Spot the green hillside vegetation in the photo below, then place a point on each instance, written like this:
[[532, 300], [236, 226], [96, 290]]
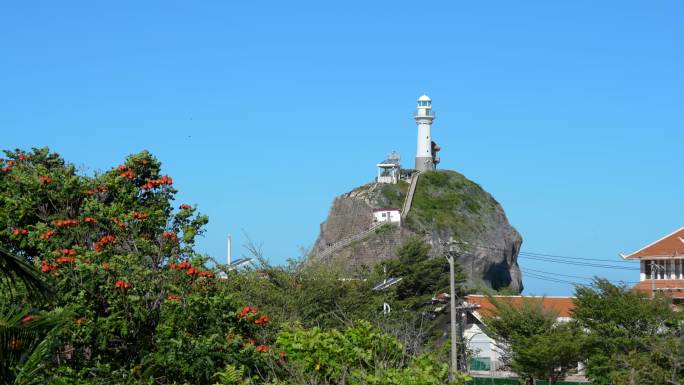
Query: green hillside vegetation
[[448, 201], [393, 195]]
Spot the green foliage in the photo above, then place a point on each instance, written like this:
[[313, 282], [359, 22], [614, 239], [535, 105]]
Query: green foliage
[[359, 354], [134, 303], [626, 330], [231, 375], [22, 341], [536, 345], [319, 294], [17, 274], [309, 293], [449, 201], [144, 306], [393, 195], [422, 276]]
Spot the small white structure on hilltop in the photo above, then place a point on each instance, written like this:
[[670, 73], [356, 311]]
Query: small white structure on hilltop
[[426, 151], [389, 215], [389, 169]]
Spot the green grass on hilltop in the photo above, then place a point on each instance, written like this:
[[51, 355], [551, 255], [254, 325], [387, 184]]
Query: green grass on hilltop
[[392, 195], [446, 200]]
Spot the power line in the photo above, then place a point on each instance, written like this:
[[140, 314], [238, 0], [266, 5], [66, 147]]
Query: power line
[[540, 272], [581, 258], [527, 269], [551, 257], [555, 280], [577, 263]]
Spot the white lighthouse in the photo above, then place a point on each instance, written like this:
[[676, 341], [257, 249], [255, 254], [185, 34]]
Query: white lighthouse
[[426, 158]]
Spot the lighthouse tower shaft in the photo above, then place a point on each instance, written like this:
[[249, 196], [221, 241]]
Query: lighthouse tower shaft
[[425, 156]]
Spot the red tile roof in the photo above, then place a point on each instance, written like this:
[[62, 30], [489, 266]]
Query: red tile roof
[[668, 246], [561, 305], [671, 287]]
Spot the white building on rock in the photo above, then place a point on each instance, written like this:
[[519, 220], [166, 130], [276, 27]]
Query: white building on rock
[[389, 169], [389, 215]]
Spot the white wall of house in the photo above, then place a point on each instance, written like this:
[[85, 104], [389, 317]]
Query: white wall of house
[[481, 345], [389, 215]]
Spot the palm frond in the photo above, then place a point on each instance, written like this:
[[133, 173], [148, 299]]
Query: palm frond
[[23, 341], [17, 270]]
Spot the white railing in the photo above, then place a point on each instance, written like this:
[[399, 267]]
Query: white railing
[[427, 114]]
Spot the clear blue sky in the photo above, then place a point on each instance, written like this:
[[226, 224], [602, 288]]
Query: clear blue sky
[[569, 113]]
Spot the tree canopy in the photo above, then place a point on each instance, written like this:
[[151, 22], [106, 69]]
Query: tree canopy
[[134, 302]]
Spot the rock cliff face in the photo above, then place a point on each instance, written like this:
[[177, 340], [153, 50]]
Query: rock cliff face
[[446, 206]]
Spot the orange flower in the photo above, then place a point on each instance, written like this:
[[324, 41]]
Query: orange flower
[[262, 320], [169, 235], [47, 234], [185, 207], [28, 318], [127, 174], [173, 297], [140, 215], [78, 321], [44, 179], [262, 348], [45, 267], [119, 284], [18, 232], [66, 260], [104, 241], [244, 313], [68, 252], [153, 183], [89, 220], [65, 222], [206, 274]]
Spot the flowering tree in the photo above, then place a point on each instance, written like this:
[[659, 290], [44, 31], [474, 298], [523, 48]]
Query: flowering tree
[[136, 304], [120, 257]]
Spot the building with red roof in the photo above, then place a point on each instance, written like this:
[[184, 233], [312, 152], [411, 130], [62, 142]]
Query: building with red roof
[[662, 265], [487, 356]]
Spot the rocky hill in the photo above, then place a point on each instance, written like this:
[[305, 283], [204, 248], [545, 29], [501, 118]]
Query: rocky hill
[[446, 206]]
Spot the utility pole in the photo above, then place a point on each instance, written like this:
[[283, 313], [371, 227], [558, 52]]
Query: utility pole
[[452, 300], [457, 327]]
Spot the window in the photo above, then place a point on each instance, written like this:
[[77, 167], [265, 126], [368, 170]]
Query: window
[[647, 269], [668, 269]]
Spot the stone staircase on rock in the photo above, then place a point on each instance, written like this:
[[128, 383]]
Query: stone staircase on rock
[[347, 241], [409, 195]]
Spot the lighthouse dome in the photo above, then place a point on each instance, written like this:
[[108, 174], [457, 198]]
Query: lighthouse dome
[[424, 98]]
